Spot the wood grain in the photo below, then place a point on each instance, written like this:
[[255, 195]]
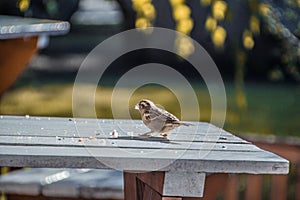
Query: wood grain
[[86, 143]]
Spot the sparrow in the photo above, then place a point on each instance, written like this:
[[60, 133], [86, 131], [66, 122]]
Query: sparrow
[[156, 119]]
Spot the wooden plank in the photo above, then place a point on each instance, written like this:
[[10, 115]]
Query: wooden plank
[[254, 187], [214, 186], [16, 27], [244, 156], [145, 160], [28, 184], [103, 185], [154, 185], [184, 184], [149, 193], [84, 143], [130, 186], [67, 127], [279, 187], [75, 183], [232, 188], [127, 142], [28, 197], [144, 191], [297, 195], [154, 180], [179, 138]]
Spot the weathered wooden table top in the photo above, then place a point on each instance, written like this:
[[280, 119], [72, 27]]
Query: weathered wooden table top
[[14, 27], [88, 143], [185, 157]]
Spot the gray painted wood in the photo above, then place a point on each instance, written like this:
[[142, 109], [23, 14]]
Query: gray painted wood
[[35, 141], [144, 159], [122, 142], [87, 143], [107, 183], [15, 27], [70, 183], [190, 184], [69, 128], [25, 182]]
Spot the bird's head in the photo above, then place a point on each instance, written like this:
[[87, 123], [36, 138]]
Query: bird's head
[[144, 105]]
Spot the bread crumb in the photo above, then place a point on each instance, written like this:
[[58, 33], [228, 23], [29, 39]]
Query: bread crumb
[[114, 134]]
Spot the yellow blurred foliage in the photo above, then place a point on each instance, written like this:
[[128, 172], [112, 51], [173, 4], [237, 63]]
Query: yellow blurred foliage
[[275, 75], [210, 24], [23, 5], [205, 2], [218, 36], [176, 2], [219, 9], [248, 40], [241, 99], [181, 12], [137, 4], [254, 24], [185, 26], [148, 11], [184, 46], [264, 9], [142, 23], [145, 13]]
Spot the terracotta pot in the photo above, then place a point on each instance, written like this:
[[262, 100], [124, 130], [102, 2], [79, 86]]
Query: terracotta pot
[[14, 56]]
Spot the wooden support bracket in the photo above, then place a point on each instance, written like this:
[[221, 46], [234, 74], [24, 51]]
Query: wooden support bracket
[[156, 185]]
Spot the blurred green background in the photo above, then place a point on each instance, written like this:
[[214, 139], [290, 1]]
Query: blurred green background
[[255, 45], [271, 109]]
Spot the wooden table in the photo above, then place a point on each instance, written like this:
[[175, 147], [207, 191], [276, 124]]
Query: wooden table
[[19, 38], [63, 184], [18, 27], [180, 163]]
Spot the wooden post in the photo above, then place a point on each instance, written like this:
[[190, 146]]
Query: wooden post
[[139, 186], [130, 186], [254, 187], [214, 187], [279, 187], [231, 188], [297, 195]]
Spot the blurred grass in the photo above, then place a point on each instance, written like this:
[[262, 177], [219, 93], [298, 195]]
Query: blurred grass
[[271, 109]]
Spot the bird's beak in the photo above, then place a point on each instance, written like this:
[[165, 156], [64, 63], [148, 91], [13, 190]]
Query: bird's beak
[[136, 107]]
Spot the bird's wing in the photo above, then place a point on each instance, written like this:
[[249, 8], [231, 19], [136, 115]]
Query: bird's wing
[[163, 115]]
